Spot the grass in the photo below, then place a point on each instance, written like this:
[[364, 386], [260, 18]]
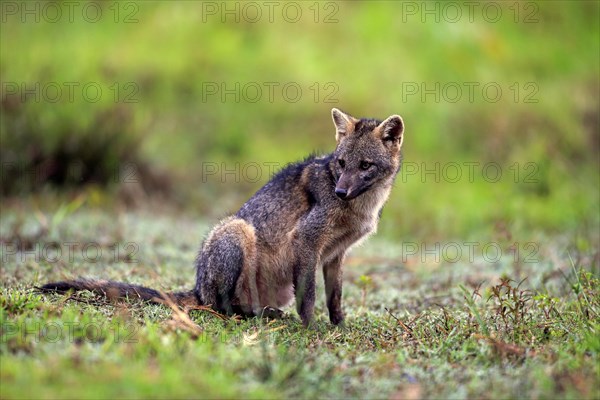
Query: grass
[[416, 326]]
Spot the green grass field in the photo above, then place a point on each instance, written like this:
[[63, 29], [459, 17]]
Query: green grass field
[[128, 129], [415, 327]]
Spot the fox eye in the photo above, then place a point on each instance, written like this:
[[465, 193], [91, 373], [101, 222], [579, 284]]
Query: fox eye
[[342, 163], [365, 165]]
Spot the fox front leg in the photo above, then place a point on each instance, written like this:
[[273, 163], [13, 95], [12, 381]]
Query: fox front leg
[[304, 287], [308, 244], [307, 250], [332, 274]]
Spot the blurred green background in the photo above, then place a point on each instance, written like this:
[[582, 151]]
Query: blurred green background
[[137, 103]]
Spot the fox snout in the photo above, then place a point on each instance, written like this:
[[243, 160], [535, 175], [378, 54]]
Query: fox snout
[[341, 193], [343, 187], [349, 186]]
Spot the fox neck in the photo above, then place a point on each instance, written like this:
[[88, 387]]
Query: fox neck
[[371, 202]]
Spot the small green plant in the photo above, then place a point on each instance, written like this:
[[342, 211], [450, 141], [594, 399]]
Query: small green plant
[[473, 308], [365, 283], [511, 304]]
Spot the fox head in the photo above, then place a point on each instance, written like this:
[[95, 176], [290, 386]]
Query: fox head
[[367, 153]]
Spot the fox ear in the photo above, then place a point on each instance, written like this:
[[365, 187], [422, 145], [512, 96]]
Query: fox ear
[[392, 130], [344, 123]]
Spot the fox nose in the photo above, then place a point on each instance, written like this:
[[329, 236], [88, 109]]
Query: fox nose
[[341, 193]]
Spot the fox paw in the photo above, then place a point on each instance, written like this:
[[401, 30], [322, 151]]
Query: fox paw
[[270, 312]]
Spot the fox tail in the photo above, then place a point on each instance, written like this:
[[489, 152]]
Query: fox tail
[[119, 290]]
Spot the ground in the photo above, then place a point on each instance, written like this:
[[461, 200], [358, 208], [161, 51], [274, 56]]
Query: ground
[[524, 324]]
